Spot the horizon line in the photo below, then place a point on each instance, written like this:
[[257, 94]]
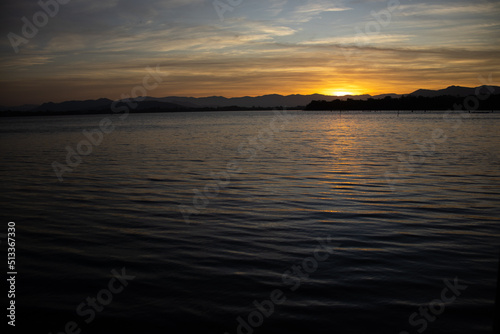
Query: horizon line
[[238, 97]]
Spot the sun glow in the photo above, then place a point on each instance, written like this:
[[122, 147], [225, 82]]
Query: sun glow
[[341, 93]]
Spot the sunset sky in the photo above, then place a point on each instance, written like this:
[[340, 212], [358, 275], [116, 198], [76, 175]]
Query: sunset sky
[[93, 49]]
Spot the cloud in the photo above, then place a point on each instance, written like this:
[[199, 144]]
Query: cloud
[[314, 8], [450, 9], [66, 42], [305, 13], [357, 40], [24, 62], [94, 49], [276, 7], [95, 6]]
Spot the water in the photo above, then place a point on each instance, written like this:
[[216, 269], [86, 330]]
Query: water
[[208, 217]]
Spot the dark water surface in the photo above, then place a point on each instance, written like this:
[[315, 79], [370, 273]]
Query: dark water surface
[[357, 219]]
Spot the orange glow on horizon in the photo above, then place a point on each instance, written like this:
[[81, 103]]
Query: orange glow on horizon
[[342, 93]]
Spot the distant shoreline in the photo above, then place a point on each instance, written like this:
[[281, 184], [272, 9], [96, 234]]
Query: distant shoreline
[[404, 103], [82, 113], [8, 113], [409, 103]]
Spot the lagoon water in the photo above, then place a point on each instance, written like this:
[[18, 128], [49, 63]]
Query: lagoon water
[[210, 212]]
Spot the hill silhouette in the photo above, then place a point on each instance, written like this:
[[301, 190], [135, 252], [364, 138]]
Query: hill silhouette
[[422, 99], [409, 102]]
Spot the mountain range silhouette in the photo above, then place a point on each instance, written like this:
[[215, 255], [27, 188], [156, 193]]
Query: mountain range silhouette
[[177, 103]]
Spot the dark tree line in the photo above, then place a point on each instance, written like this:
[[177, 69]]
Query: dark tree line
[[410, 103]]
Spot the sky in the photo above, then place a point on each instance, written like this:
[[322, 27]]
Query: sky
[[86, 49]]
